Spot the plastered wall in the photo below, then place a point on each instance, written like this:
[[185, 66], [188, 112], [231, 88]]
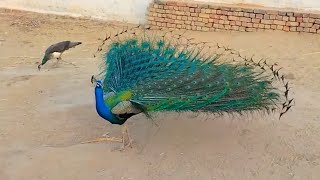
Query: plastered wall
[[131, 10]]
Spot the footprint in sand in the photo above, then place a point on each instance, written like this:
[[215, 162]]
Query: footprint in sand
[[19, 79]]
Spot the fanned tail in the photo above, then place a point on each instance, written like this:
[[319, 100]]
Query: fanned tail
[[170, 72]]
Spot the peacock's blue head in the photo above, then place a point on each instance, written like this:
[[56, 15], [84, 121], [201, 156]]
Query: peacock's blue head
[[98, 83]]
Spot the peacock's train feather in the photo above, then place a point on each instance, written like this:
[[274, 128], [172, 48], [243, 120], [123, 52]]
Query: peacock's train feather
[[144, 71]]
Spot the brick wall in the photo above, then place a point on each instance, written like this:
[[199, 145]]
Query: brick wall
[[210, 17]]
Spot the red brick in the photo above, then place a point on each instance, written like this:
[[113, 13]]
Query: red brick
[[262, 26], [299, 19], [242, 29], [246, 14], [227, 27], [282, 23], [224, 12], [316, 26], [205, 29], [252, 15], [292, 18], [306, 15], [293, 29], [279, 18], [208, 25], [266, 16], [256, 25], [244, 19], [311, 20], [233, 18], [204, 15], [272, 16], [285, 18], [273, 12], [306, 25], [249, 25], [299, 29], [264, 21], [282, 13], [224, 17], [259, 16], [286, 28], [215, 16], [250, 29], [208, 11], [317, 21], [296, 14], [279, 27], [240, 14], [306, 29], [273, 26], [289, 14], [292, 23], [255, 20], [238, 23], [194, 14], [313, 30], [236, 28], [232, 23], [259, 11], [305, 19], [215, 25]]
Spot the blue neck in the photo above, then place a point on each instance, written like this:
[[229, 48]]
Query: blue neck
[[103, 110]]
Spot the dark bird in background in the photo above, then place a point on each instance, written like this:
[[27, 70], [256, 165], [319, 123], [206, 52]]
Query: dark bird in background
[[56, 50]]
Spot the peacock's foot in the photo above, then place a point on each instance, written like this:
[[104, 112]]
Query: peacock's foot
[[104, 139]]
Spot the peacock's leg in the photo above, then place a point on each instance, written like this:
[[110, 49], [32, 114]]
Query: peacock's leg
[[58, 60], [126, 139]]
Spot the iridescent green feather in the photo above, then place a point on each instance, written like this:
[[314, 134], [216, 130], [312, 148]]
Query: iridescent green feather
[[162, 77]]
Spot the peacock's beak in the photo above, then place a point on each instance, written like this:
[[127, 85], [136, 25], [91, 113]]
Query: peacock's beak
[[93, 79]]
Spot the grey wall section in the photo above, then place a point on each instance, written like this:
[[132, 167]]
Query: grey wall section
[[132, 11]]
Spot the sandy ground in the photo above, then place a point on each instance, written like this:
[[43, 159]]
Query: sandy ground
[[45, 115]]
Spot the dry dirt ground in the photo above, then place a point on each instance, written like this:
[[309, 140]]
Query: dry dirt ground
[[46, 115]]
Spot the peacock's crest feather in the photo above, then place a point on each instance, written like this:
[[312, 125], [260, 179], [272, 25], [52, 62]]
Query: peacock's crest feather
[[169, 72]]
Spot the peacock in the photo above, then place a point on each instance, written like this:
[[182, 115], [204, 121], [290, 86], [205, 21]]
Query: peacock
[[56, 50], [145, 70]]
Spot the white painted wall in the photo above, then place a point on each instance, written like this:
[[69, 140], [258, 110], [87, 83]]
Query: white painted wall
[[120, 10], [131, 10]]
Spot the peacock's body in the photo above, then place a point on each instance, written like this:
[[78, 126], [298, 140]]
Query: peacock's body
[[149, 73]]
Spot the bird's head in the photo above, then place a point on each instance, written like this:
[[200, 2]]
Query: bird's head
[[98, 83]]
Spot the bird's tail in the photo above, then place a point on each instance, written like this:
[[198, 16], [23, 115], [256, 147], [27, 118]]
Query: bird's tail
[[74, 44], [172, 72]]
